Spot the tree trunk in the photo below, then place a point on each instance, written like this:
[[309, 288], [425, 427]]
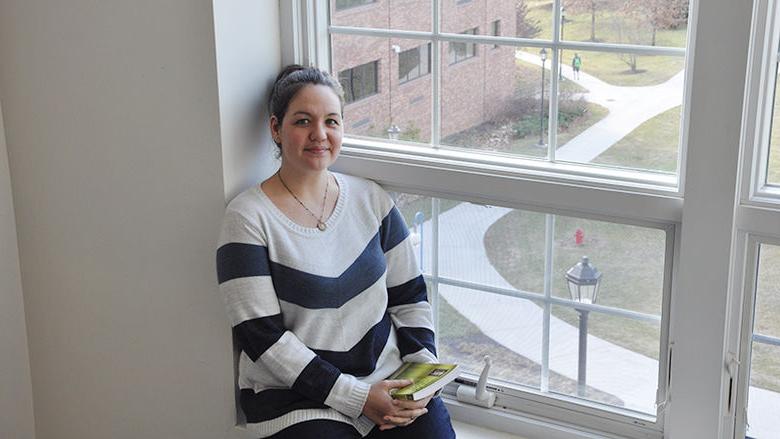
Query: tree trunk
[[593, 21], [654, 31]]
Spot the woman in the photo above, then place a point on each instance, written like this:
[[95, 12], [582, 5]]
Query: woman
[[321, 286]]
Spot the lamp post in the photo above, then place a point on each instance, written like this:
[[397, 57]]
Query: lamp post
[[543, 57], [560, 60], [583, 281]]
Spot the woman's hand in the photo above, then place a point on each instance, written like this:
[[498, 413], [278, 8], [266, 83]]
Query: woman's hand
[[416, 406], [388, 413]]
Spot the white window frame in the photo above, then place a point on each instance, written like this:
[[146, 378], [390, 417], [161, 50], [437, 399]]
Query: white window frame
[[695, 400], [757, 214], [759, 108]]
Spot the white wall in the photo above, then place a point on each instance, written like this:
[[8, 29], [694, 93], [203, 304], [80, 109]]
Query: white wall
[[16, 403], [113, 134], [248, 60]]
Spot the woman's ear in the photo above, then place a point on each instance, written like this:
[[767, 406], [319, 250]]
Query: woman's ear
[[275, 129]]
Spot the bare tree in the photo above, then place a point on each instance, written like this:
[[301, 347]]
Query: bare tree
[[657, 14], [590, 6]]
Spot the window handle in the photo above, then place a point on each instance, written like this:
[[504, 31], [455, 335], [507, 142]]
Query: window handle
[[478, 395]]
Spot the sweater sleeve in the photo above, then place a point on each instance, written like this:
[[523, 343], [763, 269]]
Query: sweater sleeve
[[407, 294], [244, 274]]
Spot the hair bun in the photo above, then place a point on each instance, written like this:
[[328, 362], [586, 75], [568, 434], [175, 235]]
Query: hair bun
[[287, 71]]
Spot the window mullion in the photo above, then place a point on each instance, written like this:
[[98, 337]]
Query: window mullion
[[549, 236]]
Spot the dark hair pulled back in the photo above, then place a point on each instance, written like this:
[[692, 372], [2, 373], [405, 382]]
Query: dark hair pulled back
[[291, 80]]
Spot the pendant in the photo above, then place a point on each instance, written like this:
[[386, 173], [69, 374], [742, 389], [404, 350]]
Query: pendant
[[321, 226]]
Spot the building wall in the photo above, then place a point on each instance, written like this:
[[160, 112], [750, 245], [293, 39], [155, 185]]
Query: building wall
[[473, 91], [115, 151], [16, 402]]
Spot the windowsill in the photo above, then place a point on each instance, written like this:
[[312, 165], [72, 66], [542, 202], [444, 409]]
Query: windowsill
[[469, 431]]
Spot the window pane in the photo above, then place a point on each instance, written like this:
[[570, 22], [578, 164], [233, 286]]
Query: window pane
[[416, 210], [473, 324], [494, 102], [767, 319], [414, 63], [383, 14], [380, 103], [507, 248], [619, 110], [630, 258], [525, 18], [642, 22], [764, 392], [621, 371], [773, 168]]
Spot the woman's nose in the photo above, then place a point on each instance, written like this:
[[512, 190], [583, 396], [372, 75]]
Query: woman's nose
[[318, 132]]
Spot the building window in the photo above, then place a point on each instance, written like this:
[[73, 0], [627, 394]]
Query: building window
[[463, 51], [495, 30], [346, 4], [360, 82], [414, 63]]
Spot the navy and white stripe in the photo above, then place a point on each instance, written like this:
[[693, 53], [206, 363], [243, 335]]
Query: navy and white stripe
[[319, 317]]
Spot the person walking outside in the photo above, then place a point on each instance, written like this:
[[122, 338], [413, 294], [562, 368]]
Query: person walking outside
[[576, 65]]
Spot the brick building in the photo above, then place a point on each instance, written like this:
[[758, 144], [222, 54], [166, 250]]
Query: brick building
[[388, 81]]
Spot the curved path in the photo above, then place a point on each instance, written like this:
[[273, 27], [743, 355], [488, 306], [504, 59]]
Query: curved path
[[628, 108]]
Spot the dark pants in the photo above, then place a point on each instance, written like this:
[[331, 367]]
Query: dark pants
[[433, 425]]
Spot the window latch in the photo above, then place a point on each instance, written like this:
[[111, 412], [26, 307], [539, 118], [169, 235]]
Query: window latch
[[478, 395]]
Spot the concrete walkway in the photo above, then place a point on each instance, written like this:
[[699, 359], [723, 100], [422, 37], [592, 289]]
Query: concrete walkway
[[628, 108], [517, 324]]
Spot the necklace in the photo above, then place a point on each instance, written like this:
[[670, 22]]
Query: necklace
[[320, 224]]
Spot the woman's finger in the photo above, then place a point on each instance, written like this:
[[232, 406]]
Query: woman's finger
[[394, 384], [409, 405], [415, 413]]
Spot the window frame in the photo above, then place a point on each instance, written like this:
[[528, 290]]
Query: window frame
[[761, 87], [546, 188], [757, 212]]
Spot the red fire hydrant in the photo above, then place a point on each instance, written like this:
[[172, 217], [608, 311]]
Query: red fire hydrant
[[579, 237]]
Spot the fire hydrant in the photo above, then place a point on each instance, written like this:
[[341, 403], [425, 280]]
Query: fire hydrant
[[579, 237]]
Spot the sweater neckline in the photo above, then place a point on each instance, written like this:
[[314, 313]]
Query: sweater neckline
[[309, 231]]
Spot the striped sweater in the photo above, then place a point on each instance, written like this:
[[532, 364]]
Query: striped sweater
[[320, 316]]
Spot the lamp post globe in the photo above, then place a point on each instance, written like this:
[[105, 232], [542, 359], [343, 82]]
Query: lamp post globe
[[583, 280]]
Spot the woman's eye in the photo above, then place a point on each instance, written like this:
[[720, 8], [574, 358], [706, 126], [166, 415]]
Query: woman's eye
[[333, 122], [302, 121]]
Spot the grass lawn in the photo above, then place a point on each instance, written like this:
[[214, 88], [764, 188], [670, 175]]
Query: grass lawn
[[610, 67], [654, 145], [630, 258]]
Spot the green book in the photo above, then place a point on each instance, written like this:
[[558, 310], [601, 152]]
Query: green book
[[427, 379]]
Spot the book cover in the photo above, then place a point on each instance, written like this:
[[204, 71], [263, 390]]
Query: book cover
[[427, 379]]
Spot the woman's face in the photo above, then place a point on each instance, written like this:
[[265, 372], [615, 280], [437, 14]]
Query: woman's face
[[311, 131]]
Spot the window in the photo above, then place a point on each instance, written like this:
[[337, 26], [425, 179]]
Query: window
[[762, 347], [754, 355], [346, 4], [414, 63], [360, 82], [500, 138], [495, 30], [463, 51]]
